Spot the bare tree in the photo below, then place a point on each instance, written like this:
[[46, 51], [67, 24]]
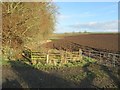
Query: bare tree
[[27, 24]]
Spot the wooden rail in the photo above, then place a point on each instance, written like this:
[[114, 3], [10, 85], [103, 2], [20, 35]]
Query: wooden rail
[[52, 57]]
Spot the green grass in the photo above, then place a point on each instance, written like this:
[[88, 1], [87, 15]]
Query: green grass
[[76, 78], [54, 38], [83, 63], [80, 76], [88, 59], [4, 61], [16, 63]]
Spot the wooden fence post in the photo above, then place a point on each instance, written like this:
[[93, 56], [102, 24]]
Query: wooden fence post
[[80, 54], [108, 61], [60, 56], [89, 55], [100, 58], [47, 61], [32, 59], [65, 57], [113, 60]]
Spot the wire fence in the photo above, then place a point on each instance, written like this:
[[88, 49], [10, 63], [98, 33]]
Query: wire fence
[[104, 58]]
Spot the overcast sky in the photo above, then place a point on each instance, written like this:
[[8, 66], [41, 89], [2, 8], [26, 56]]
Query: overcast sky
[[89, 16]]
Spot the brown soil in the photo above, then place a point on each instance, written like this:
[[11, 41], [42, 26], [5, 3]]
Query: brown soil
[[97, 41]]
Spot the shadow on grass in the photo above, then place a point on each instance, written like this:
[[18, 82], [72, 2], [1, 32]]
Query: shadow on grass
[[112, 75], [88, 80], [11, 84], [35, 78]]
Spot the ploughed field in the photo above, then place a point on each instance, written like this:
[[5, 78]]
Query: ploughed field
[[103, 42], [101, 45]]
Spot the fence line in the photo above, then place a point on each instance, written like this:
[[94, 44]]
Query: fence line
[[109, 59], [52, 57]]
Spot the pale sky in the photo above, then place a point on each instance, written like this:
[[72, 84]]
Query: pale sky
[[90, 16]]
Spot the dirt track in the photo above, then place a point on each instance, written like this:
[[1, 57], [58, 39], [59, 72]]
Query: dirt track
[[27, 77], [92, 76]]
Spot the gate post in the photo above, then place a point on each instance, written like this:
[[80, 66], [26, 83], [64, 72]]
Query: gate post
[[47, 61], [80, 54]]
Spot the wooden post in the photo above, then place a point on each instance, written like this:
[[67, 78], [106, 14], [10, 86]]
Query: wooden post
[[47, 58], [80, 54], [100, 57], [65, 57], [113, 60], [10, 53], [31, 58], [55, 62], [109, 57], [89, 55], [47, 61], [62, 57]]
